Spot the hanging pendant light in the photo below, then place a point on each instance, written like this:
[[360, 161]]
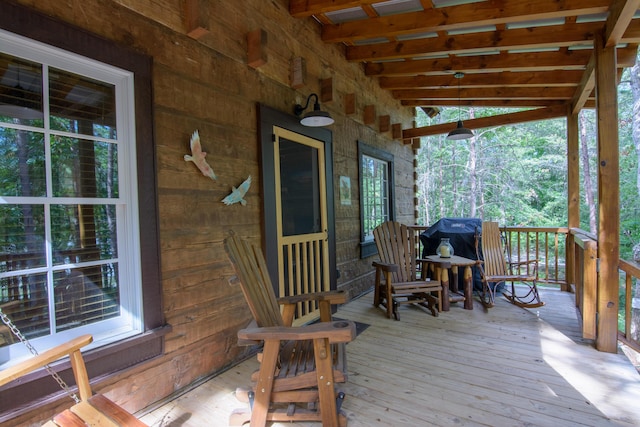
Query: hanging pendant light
[[18, 101], [460, 132]]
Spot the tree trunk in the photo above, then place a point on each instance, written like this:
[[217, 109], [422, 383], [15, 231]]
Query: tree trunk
[[634, 76], [586, 170], [473, 184]]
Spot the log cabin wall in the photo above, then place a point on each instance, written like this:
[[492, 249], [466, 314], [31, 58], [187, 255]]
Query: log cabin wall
[[203, 81]]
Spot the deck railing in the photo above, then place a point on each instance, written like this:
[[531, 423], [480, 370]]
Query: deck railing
[[584, 278], [629, 324], [546, 244], [569, 258]]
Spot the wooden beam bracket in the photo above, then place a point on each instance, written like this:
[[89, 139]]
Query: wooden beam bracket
[[195, 20], [256, 48]]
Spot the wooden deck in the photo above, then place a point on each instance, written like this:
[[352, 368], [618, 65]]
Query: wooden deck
[[506, 367]]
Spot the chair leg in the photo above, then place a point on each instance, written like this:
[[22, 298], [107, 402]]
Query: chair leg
[[434, 303], [264, 385], [326, 385], [487, 296], [390, 302], [376, 289]]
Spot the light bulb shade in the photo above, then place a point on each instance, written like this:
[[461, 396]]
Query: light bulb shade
[[460, 132], [317, 118], [20, 112], [314, 118]]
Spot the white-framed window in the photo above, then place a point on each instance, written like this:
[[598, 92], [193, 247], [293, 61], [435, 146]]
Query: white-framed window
[[376, 193], [69, 232]]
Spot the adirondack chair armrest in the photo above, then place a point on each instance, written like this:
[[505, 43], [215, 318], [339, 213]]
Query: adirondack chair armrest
[[44, 358], [337, 332], [391, 268], [333, 297]]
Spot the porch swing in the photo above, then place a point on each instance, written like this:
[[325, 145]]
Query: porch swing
[[88, 410]]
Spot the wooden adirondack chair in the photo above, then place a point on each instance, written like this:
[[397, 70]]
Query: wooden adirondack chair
[[299, 366], [396, 277], [92, 410], [494, 270]]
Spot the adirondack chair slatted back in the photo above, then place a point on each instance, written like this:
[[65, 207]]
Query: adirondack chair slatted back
[[492, 250], [299, 366], [255, 282], [395, 246]]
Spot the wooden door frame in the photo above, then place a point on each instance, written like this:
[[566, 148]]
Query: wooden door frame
[[267, 119]]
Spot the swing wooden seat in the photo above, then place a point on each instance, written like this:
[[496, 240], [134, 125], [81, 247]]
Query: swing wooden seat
[[91, 410]]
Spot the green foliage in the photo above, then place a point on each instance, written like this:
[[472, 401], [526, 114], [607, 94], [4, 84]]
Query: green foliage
[[520, 171]]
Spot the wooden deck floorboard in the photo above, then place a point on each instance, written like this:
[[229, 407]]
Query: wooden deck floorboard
[[503, 367]]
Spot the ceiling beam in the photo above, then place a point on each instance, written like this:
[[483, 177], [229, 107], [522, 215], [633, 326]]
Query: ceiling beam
[[459, 17], [485, 122], [500, 79], [485, 93], [619, 18], [523, 38], [504, 103], [305, 8], [532, 61], [620, 15], [570, 34]]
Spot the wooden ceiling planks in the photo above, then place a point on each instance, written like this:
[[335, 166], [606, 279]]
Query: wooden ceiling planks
[[513, 52]]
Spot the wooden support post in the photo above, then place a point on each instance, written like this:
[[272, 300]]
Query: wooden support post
[[608, 195], [573, 193], [195, 20], [256, 48]]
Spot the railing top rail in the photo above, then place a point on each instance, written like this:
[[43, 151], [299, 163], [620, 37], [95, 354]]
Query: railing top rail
[[629, 267], [561, 230], [583, 234]]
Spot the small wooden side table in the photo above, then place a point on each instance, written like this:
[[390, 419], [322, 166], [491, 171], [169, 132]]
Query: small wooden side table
[[450, 288]]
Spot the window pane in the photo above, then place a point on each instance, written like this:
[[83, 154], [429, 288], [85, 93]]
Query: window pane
[[20, 91], [22, 242], [24, 301], [300, 188], [86, 295], [82, 105], [375, 184], [83, 233], [82, 168], [22, 171]]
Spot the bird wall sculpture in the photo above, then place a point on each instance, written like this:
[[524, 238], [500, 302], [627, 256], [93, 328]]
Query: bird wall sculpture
[[237, 194], [198, 157]]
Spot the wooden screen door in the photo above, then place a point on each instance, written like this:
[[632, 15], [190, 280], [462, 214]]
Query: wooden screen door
[[301, 218]]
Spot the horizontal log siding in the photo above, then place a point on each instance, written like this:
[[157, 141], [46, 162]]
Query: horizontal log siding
[[205, 84]]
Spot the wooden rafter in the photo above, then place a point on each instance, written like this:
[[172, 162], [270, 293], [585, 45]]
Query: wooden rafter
[[460, 17], [485, 122], [513, 53]]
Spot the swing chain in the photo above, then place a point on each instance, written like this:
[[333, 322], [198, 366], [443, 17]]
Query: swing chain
[[14, 329]]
